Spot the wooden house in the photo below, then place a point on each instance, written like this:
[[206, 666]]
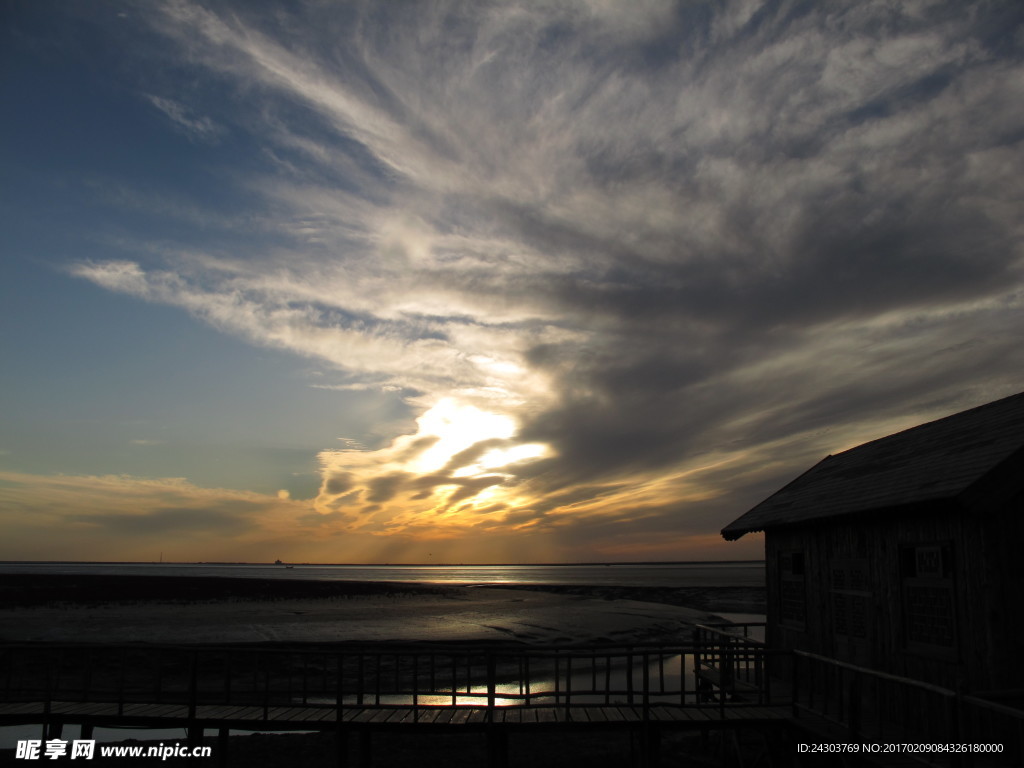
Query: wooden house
[[906, 554]]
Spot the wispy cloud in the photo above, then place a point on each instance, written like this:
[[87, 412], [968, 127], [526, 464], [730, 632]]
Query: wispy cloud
[[687, 236], [194, 126]]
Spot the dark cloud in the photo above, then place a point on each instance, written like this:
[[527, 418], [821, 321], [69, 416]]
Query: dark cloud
[[711, 228], [386, 487], [225, 517], [340, 482]]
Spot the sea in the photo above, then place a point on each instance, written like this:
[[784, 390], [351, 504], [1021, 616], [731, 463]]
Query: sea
[[750, 573]]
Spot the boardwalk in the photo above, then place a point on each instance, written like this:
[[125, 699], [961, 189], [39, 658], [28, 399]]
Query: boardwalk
[[721, 683], [360, 690]]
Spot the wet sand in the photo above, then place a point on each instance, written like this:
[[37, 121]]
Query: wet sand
[[211, 610]]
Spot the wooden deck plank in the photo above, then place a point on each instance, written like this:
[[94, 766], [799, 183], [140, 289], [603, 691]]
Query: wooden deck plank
[[429, 715], [665, 714], [628, 714], [22, 708], [613, 715], [83, 708], [381, 716], [528, 715], [307, 714], [16, 708], [362, 716], [444, 716], [219, 712], [176, 711], [440, 716], [247, 713]]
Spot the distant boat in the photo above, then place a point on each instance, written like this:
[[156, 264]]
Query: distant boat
[[289, 566]]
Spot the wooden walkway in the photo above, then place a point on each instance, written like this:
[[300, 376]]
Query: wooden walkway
[[347, 689], [306, 718]]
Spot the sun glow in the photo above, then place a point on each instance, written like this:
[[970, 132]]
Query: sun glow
[[496, 458], [457, 470], [457, 428]]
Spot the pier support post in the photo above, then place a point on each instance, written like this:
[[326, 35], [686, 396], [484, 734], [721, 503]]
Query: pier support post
[[341, 747], [650, 746], [222, 746], [365, 749], [497, 748]]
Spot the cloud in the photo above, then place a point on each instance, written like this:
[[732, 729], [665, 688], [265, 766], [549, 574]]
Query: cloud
[[654, 245], [195, 127]]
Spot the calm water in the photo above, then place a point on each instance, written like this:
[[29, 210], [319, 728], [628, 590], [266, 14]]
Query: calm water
[[736, 574]]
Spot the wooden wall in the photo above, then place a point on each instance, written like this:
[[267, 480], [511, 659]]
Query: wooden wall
[[1004, 588], [866, 605]]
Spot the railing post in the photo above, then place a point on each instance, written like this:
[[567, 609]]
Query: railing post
[[568, 683], [955, 731], [120, 684], [629, 675], [88, 675], [723, 653], [647, 687], [854, 706], [795, 677], [492, 673], [526, 678], [455, 679], [360, 677], [266, 685], [339, 686], [227, 678], [193, 684], [415, 686]]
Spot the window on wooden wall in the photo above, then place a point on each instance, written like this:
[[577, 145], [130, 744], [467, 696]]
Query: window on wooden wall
[[850, 591], [929, 617], [792, 590]]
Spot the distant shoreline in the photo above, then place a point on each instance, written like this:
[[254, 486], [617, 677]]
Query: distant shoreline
[[632, 563]]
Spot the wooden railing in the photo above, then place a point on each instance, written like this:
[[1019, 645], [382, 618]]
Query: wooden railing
[[384, 675], [730, 665], [730, 632], [878, 708], [986, 722]]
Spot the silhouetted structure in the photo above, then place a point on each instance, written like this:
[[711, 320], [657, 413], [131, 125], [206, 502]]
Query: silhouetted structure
[[903, 555]]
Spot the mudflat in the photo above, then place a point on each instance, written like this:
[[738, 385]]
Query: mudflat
[[111, 609]]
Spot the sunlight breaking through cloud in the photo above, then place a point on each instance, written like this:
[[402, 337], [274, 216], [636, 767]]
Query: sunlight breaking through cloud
[[619, 272]]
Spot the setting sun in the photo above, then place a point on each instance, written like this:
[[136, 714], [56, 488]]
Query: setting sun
[[457, 428]]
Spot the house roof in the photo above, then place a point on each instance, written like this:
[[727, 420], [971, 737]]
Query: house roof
[[940, 460]]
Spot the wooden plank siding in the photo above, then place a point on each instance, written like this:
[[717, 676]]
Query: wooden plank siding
[[986, 610], [902, 554]]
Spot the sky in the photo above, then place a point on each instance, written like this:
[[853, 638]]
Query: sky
[[475, 282]]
